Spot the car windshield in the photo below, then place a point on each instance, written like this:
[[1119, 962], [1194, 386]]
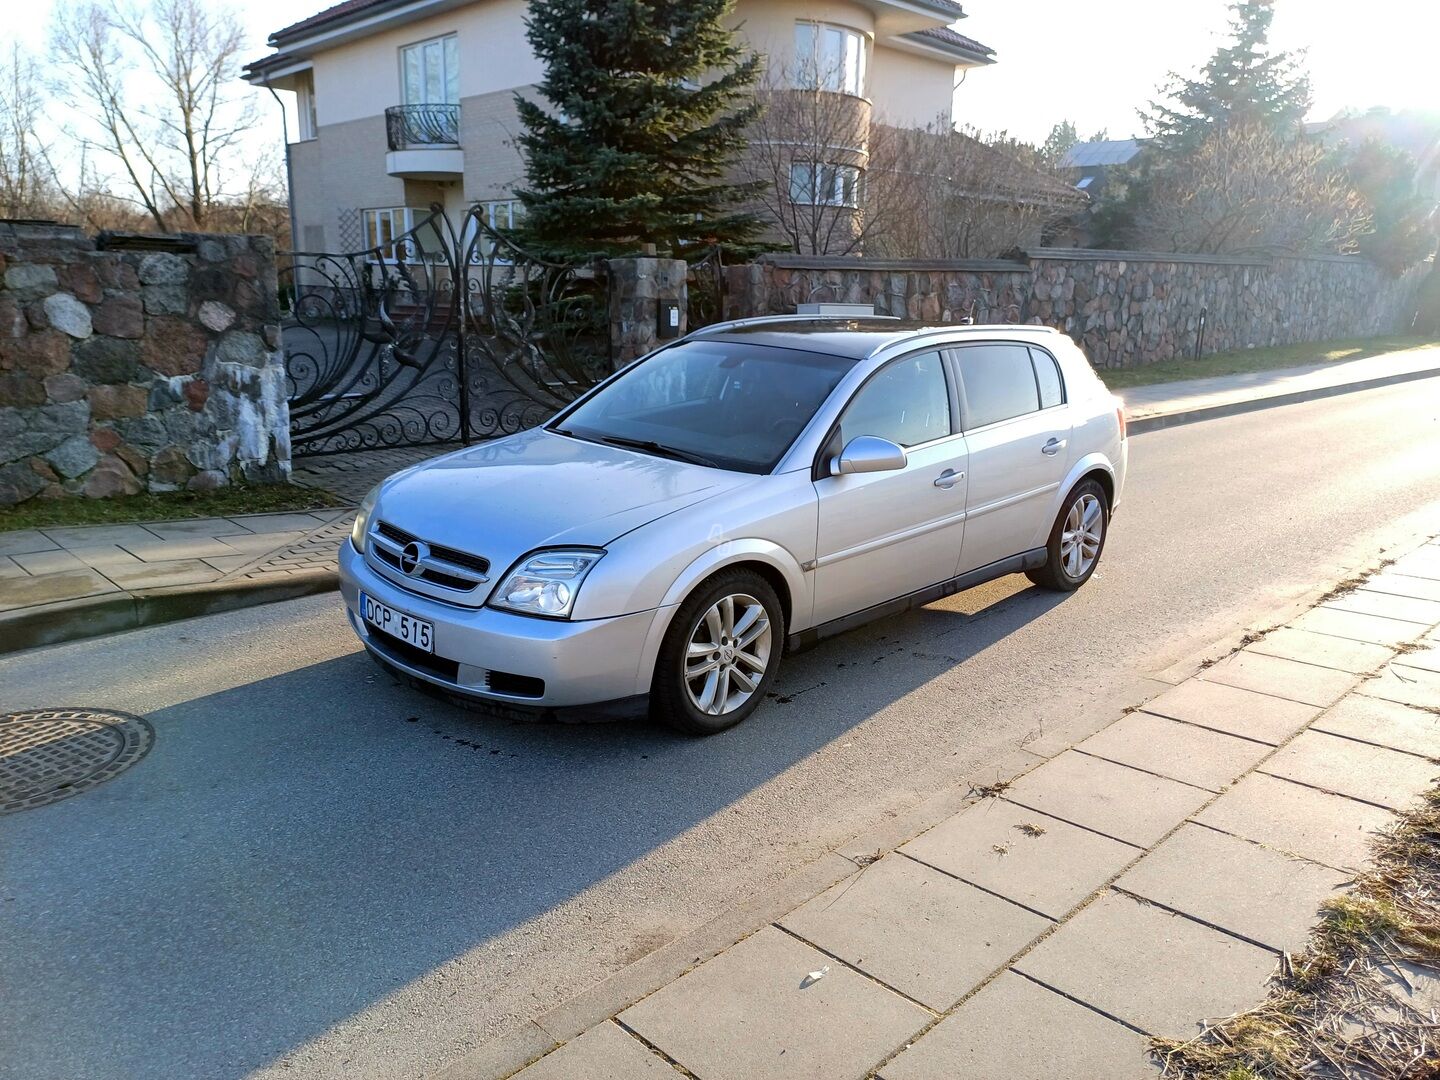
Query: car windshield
[[731, 405]]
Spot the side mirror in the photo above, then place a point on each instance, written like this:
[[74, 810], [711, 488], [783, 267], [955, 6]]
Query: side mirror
[[868, 453]]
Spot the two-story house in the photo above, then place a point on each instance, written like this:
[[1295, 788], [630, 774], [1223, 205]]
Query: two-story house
[[401, 104]]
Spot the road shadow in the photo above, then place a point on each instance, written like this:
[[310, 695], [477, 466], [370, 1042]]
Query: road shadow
[[299, 847]]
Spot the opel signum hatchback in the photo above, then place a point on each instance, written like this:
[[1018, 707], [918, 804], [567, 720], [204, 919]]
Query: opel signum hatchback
[[743, 492]]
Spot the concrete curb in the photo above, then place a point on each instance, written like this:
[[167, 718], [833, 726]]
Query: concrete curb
[[90, 616], [1141, 424]]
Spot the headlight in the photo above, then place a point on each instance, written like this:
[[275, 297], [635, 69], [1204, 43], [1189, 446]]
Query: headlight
[[546, 583], [362, 519]]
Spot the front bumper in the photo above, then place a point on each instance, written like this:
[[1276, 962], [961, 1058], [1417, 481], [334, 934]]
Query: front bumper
[[579, 663]]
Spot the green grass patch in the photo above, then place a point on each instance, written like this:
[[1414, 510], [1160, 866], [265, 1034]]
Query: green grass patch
[[1248, 361], [169, 506]]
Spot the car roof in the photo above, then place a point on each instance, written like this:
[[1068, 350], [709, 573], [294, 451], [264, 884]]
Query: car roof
[[854, 338]]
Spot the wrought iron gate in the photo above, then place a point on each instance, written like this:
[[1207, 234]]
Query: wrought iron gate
[[442, 333]]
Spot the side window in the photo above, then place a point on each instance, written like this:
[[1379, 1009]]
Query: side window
[[1047, 377], [907, 402], [999, 383]]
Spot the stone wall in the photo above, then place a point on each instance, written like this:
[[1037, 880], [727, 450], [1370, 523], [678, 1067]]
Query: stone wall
[[636, 288], [124, 371], [1124, 308]]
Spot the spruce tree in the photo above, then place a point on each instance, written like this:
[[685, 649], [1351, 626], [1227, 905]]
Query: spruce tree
[[1244, 82], [648, 101]]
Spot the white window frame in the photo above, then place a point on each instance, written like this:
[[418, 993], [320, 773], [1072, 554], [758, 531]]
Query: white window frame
[[307, 126], [400, 220], [831, 57], [449, 79], [822, 183], [499, 214]]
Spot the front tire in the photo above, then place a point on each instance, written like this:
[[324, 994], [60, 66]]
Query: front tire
[[720, 654], [1077, 539]]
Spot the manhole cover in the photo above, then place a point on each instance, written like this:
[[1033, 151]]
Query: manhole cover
[[50, 754]]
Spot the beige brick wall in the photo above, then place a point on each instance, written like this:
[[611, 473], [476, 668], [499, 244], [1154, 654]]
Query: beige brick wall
[[339, 172]]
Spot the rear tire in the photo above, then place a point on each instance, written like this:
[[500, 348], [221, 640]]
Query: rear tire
[[720, 654], [1076, 540]]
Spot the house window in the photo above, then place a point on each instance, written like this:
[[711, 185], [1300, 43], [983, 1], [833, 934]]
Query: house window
[[824, 185], [388, 235], [430, 72], [830, 58], [500, 214], [305, 123]]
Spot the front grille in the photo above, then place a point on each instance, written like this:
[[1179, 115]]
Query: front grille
[[462, 559], [408, 654], [459, 570]]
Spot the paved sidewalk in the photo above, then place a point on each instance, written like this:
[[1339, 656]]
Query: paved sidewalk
[[1134, 884], [1167, 404]]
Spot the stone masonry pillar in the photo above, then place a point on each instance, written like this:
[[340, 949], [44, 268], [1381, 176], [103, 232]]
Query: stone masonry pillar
[[637, 287]]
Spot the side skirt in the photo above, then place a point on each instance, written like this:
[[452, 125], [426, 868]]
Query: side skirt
[[1015, 564]]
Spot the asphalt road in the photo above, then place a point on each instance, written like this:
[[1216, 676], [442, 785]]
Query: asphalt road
[[318, 873]]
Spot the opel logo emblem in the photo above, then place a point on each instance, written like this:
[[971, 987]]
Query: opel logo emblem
[[413, 556]]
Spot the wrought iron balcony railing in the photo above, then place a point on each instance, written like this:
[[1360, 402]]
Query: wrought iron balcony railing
[[411, 126]]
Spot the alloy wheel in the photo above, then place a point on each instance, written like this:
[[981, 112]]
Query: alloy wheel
[[1080, 537], [728, 654]]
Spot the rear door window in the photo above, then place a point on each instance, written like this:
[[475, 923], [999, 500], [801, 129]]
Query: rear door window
[[998, 381]]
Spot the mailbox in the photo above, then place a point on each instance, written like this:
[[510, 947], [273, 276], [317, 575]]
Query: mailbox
[[669, 320]]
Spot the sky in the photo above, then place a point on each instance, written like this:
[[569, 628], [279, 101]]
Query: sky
[[1090, 62]]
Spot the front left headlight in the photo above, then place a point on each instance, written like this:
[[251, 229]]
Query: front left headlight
[[362, 519], [546, 583]]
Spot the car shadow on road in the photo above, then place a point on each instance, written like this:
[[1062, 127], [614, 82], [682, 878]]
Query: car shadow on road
[[300, 847]]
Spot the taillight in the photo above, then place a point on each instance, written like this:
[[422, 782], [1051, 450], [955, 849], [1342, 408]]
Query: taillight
[[1120, 417]]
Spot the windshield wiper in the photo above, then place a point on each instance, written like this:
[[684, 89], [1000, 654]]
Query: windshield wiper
[[660, 449]]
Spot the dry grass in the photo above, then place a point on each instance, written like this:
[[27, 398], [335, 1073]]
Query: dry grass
[[1341, 1009]]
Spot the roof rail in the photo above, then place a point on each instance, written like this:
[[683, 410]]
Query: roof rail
[[759, 320]]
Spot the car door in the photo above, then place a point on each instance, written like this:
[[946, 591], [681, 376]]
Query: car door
[[1017, 428], [885, 534]]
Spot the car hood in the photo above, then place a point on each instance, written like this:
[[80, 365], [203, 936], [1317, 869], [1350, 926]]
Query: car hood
[[537, 489]]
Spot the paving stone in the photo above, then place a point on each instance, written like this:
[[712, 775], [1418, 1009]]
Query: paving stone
[[1281, 678], [1388, 606], [1322, 649], [1160, 972], [1233, 710], [1357, 626], [1411, 685], [1404, 585], [230, 563], [1424, 563], [263, 543], [1113, 799], [1050, 870], [929, 936], [100, 535], [9, 568], [198, 547], [1016, 1029], [1427, 657], [1316, 825], [750, 1013], [29, 591], [288, 522], [1389, 723], [159, 575], [605, 1052], [48, 562], [25, 541], [1372, 773], [1271, 898], [105, 555], [1184, 752], [199, 527]]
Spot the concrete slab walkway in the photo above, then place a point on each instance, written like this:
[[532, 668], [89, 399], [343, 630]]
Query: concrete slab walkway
[[1135, 884]]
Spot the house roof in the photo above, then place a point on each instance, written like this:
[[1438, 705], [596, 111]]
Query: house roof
[[956, 42], [1084, 155]]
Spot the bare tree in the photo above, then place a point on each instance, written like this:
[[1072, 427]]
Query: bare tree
[[154, 91], [26, 189], [1247, 189], [943, 193], [807, 154]]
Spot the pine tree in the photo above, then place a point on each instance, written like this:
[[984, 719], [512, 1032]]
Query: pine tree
[[1245, 82], [648, 103]]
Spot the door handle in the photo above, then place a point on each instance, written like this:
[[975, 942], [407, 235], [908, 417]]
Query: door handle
[[1053, 447], [949, 478]]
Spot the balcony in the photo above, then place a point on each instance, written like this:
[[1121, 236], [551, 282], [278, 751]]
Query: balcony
[[424, 142]]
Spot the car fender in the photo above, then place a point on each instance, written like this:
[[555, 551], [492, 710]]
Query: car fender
[[715, 559], [1091, 462]]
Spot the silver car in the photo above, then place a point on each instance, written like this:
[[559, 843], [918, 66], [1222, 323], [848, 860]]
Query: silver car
[[741, 493]]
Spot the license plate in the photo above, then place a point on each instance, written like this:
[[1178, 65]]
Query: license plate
[[407, 628]]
